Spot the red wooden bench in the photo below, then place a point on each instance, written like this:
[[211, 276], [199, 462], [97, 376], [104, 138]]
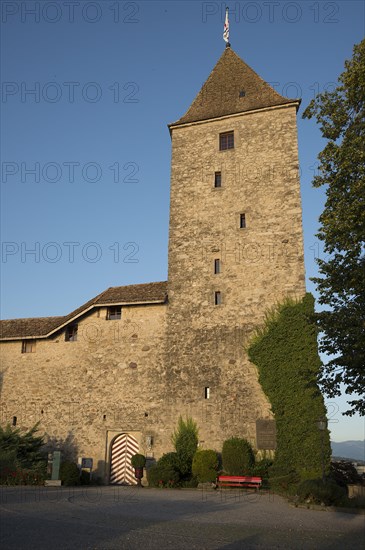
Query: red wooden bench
[[239, 481]]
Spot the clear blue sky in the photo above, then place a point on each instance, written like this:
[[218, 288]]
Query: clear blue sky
[[107, 78]]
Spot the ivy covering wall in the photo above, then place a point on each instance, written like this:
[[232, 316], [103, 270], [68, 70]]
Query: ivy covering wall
[[285, 353]]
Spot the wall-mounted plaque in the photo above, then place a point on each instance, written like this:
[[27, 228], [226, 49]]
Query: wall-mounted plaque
[[266, 434]]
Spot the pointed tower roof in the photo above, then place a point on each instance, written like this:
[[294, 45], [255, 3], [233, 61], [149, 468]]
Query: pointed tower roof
[[232, 87]]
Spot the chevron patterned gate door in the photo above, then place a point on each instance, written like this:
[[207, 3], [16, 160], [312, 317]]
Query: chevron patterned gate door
[[121, 471]]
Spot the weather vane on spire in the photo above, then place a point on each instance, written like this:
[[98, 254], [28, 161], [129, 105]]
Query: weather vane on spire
[[226, 30]]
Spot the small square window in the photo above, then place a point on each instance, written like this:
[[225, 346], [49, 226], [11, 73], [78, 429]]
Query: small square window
[[217, 266], [28, 346], [217, 298], [218, 179], [242, 221], [226, 141], [71, 333], [114, 312]]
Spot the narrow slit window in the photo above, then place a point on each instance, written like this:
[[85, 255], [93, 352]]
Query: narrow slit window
[[217, 266], [207, 392], [226, 141], [217, 298], [242, 221], [218, 179], [28, 346], [71, 333], [14, 420]]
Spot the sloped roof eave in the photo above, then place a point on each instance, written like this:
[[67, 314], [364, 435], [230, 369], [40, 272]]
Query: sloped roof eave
[[97, 305], [291, 102], [58, 323]]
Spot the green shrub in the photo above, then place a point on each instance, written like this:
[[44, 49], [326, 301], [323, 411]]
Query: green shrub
[[138, 461], [237, 456], [205, 465], [169, 460], [284, 484], [166, 472], [12, 474], [185, 440], [69, 473], [7, 465], [25, 445], [37, 474], [344, 473], [21, 461], [262, 468], [153, 475], [162, 476], [85, 477], [286, 354], [174, 469], [318, 491], [27, 476], [190, 483]]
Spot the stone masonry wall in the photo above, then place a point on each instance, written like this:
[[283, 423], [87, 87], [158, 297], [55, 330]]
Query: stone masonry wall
[[260, 264], [140, 373], [103, 384]]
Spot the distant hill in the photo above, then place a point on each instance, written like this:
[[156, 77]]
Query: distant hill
[[349, 449]]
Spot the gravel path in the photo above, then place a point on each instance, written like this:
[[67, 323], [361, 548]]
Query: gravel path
[[114, 518]]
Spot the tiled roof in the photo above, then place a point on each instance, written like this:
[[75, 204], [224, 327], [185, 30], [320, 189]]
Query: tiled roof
[[222, 93], [15, 328], [43, 326], [149, 292]]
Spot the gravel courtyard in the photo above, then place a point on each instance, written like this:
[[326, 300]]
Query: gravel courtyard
[[123, 517]]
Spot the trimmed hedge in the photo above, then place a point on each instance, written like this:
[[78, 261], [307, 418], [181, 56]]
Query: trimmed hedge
[[138, 461], [237, 457], [205, 465], [286, 354]]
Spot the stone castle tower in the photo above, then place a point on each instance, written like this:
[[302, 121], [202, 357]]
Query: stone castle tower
[[114, 375], [235, 246]]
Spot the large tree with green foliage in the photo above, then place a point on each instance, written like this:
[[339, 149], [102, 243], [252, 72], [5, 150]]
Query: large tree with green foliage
[[341, 284]]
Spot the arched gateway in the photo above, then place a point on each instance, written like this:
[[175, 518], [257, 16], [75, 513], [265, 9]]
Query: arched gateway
[[124, 447]]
